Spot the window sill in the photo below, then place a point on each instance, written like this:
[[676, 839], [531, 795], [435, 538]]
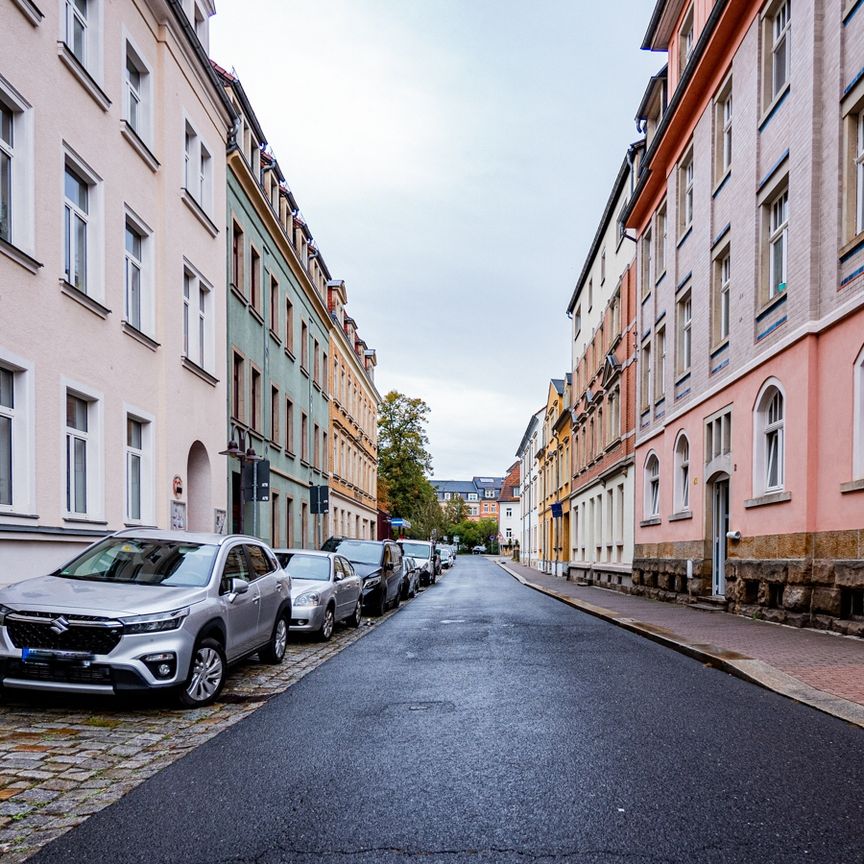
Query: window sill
[[19, 256], [852, 486], [238, 293], [139, 146], [854, 245], [199, 212], [683, 238], [256, 314], [680, 517], [16, 515], [88, 82], [305, 371], [771, 110], [83, 520], [139, 335], [275, 337], [719, 346], [681, 377], [290, 354], [721, 182], [769, 498], [85, 300], [30, 11], [852, 6], [647, 523], [769, 305], [195, 369], [289, 452]]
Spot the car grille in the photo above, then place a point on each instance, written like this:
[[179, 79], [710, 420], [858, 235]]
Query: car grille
[[63, 672], [34, 634]]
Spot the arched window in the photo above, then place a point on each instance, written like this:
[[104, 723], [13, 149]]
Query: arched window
[[652, 486], [769, 440], [682, 474]]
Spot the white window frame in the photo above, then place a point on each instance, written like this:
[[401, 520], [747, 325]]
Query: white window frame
[[686, 40], [91, 55], [684, 332], [661, 230], [146, 478], [726, 134], [145, 264], [72, 14], [76, 218], [859, 172], [143, 127], [197, 322], [682, 474], [724, 291], [781, 23], [769, 435], [94, 285], [686, 177], [651, 503], [197, 167], [94, 451], [778, 235], [23, 425], [21, 233]]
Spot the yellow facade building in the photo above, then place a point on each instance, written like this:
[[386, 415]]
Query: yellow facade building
[[553, 465]]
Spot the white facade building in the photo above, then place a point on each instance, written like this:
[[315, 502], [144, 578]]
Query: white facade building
[[112, 275], [530, 499]]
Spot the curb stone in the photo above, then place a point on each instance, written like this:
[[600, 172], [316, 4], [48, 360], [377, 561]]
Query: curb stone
[[740, 665]]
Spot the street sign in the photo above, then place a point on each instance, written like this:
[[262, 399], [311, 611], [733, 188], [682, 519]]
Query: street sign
[[319, 499], [557, 511], [397, 521], [255, 480]]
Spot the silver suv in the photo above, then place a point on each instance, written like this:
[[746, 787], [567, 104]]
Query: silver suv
[[146, 609]]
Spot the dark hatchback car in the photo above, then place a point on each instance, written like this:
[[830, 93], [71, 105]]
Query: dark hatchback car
[[379, 564]]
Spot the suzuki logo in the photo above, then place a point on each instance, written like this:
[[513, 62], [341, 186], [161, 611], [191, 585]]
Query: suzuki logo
[[60, 625]]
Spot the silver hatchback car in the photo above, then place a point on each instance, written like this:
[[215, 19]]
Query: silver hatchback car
[[146, 609]]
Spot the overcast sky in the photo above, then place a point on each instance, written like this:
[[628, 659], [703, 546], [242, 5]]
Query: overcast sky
[[452, 159]]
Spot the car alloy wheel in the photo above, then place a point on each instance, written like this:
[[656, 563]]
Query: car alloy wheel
[[206, 676], [357, 617], [327, 624], [274, 651]]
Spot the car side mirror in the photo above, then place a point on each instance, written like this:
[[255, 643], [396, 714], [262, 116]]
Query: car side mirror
[[236, 587], [337, 576]]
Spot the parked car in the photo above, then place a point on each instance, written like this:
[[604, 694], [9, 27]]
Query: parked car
[[446, 557], [479, 550], [423, 552], [146, 610], [324, 590], [410, 578], [379, 564]]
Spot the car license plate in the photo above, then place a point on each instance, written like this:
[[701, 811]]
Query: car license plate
[[39, 655]]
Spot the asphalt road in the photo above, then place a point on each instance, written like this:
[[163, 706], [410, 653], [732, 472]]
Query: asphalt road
[[488, 723]]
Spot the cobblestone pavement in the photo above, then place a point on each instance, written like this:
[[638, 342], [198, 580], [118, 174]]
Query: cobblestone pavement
[[63, 759], [828, 662]]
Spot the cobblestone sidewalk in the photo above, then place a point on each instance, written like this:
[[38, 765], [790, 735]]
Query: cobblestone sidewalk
[[822, 663], [62, 760]]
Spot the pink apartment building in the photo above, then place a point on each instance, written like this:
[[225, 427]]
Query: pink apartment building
[[112, 274], [749, 212]]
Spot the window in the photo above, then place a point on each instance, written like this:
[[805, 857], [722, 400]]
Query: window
[[316, 446], [316, 362], [682, 474], [77, 445], [197, 320], [859, 172], [778, 226], [614, 414], [198, 168], [718, 436], [780, 26], [645, 378], [274, 306], [659, 364], [134, 242], [590, 294], [647, 262], [17, 211], [8, 435], [76, 214], [603, 265], [275, 408], [684, 321], [723, 131], [686, 41], [135, 468], [304, 346], [721, 309], [255, 418], [137, 107], [238, 382], [660, 231], [304, 437], [76, 24], [652, 486], [289, 326], [289, 425], [685, 193], [254, 278], [7, 155], [237, 250], [275, 519], [770, 440], [509, 512]]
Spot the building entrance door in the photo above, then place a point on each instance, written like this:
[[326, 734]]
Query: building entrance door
[[720, 525]]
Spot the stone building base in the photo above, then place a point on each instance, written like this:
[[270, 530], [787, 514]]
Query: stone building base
[[804, 580]]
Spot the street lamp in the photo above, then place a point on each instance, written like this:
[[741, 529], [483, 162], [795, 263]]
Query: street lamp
[[237, 449]]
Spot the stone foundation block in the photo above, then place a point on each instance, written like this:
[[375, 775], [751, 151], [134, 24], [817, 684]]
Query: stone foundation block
[[849, 574], [796, 598], [826, 600]]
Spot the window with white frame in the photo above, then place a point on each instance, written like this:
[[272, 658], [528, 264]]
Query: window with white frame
[[661, 230], [138, 99], [198, 168], [718, 436], [8, 432], [76, 213], [682, 474], [647, 261], [136, 468], [720, 311], [652, 486], [78, 447], [660, 364], [683, 324], [133, 243], [76, 24], [685, 193], [778, 229], [197, 320], [780, 26], [7, 161], [686, 40], [769, 441], [723, 131], [645, 377], [859, 172]]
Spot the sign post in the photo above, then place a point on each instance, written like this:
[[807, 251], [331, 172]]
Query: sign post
[[319, 504]]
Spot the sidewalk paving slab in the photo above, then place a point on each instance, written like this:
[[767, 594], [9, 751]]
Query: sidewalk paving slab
[[814, 667]]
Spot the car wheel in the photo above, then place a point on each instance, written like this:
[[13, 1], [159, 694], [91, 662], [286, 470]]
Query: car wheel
[[206, 675], [274, 651], [357, 617], [404, 589], [326, 630]]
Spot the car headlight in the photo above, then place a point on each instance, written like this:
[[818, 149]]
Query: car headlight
[[4, 611], [372, 582], [156, 623], [310, 598]]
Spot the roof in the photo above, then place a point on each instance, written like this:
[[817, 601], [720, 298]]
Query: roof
[[660, 26], [461, 486], [558, 384], [533, 423], [511, 482]]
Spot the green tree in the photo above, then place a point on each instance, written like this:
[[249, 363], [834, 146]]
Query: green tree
[[455, 511], [404, 460]]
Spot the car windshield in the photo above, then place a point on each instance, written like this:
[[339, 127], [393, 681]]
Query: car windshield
[[417, 550], [170, 563], [358, 551], [313, 567]]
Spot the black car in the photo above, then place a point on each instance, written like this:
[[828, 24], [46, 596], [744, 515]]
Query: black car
[[379, 564]]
